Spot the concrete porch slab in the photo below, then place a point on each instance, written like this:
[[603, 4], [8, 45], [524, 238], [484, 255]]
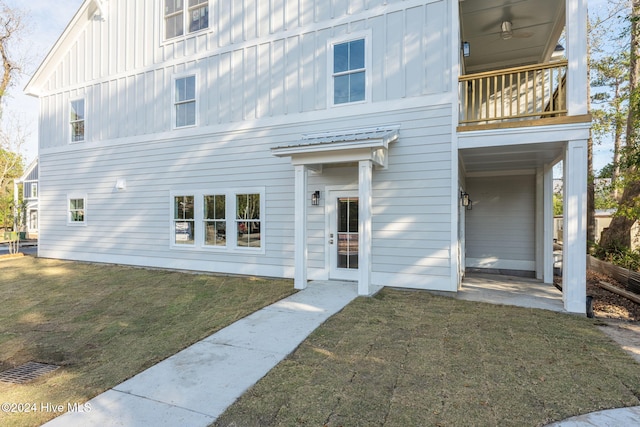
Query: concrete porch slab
[[510, 290]]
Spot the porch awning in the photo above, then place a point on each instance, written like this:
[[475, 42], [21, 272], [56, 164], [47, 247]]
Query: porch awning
[[341, 146]]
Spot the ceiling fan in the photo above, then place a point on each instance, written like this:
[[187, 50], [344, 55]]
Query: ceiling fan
[[507, 32]]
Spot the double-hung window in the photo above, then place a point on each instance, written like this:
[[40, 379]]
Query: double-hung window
[[180, 14], [349, 71], [185, 101], [230, 220], [77, 120], [215, 223], [183, 220], [76, 210], [248, 220]]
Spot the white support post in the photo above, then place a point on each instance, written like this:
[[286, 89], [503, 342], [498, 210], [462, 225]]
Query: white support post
[[300, 274], [574, 253], [539, 229], [576, 39], [548, 226], [365, 177]]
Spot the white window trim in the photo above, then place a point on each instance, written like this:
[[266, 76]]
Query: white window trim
[[68, 210], [186, 34], [176, 77], [367, 36], [34, 189], [230, 218], [84, 120]]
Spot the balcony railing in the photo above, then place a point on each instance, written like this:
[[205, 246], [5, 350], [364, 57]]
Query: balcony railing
[[515, 94]]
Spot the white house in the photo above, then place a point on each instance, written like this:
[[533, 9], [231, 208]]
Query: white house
[[317, 139], [28, 183]]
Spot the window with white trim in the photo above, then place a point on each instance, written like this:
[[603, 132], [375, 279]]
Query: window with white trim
[[180, 14], [76, 210], [77, 120], [183, 220], [34, 190], [215, 223], [185, 101], [248, 220], [229, 220], [349, 71]]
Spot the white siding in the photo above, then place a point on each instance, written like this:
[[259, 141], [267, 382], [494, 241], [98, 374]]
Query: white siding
[[242, 77], [501, 226]]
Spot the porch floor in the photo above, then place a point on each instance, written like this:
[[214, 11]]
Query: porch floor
[[510, 290]]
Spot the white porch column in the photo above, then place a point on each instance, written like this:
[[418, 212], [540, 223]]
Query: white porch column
[[365, 176], [547, 276], [539, 230], [300, 273], [574, 253], [576, 39]]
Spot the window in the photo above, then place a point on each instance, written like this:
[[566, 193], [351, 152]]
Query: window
[[77, 120], [349, 72], [77, 210], [230, 220], [248, 220], [183, 220], [34, 190], [179, 14], [185, 101], [215, 224]]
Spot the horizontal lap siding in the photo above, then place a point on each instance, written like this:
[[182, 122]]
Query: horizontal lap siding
[[501, 227], [260, 60], [412, 205]]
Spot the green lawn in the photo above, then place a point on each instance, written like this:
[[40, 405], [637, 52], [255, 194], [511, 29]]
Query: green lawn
[[408, 358], [105, 323]]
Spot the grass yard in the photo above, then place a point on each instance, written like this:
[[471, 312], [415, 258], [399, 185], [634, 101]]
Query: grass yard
[[105, 323], [414, 359]]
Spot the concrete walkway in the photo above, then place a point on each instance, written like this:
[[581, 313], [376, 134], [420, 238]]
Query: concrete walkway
[[193, 387]]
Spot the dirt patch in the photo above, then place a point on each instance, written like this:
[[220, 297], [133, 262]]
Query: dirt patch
[[608, 305]]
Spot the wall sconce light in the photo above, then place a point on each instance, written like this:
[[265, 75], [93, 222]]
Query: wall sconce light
[[466, 49], [121, 184], [464, 197], [470, 205], [315, 198]]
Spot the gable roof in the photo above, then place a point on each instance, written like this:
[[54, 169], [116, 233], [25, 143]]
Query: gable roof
[[88, 9]]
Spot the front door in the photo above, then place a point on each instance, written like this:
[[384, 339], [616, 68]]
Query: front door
[[343, 235]]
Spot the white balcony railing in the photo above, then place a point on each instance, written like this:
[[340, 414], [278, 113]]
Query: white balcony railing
[[515, 94]]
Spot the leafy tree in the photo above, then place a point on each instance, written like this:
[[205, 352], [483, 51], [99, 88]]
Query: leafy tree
[[619, 232]]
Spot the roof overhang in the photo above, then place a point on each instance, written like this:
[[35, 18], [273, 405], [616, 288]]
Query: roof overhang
[[347, 146]]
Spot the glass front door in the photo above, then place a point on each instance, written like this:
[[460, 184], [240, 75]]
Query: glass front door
[[343, 235]]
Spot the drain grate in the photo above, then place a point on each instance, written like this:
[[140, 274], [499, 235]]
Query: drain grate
[[27, 372]]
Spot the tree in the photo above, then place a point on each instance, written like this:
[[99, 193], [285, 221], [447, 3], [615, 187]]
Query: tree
[[619, 232], [11, 29]]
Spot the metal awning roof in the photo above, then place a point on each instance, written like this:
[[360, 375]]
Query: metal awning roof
[[374, 138]]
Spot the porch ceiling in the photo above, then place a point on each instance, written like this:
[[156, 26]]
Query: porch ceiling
[[500, 159], [537, 26]]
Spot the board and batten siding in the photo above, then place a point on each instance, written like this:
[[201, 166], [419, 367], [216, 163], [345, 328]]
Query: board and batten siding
[[258, 60], [501, 227]]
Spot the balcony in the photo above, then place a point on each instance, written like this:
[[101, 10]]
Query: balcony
[[514, 97]]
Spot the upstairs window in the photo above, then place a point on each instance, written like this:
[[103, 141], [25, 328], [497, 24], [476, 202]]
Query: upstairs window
[[77, 120], [34, 190], [185, 101], [349, 72], [179, 14]]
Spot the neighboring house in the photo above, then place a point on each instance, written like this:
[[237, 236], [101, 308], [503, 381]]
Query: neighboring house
[[28, 183], [317, 140]]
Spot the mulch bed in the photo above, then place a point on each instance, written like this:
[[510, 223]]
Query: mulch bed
[[607, 304]]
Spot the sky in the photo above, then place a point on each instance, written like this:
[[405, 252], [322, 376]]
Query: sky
[[49, 18]]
